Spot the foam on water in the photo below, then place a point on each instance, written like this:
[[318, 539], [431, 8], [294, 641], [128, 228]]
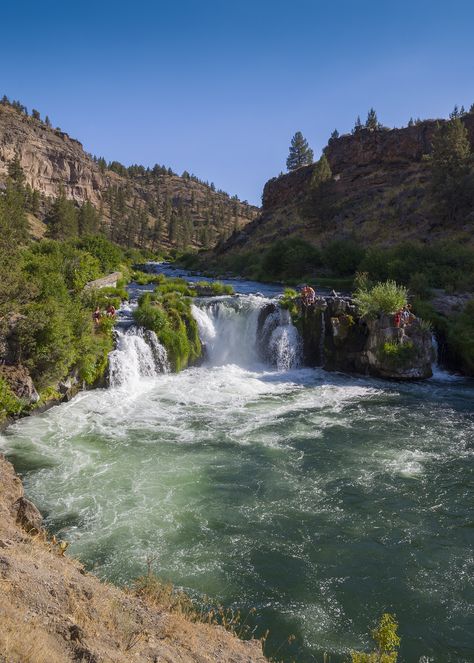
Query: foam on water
[[317, 498]]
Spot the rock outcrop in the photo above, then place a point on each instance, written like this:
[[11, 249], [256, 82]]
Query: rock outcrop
[[379, 193], [20, 383], [53, 611], [336, 338], [51, 159]]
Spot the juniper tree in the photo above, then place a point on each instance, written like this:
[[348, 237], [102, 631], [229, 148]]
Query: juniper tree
[[321, 173], [300, 153]]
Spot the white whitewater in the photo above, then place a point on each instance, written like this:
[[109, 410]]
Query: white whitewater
[[229, 328], [138, 354]]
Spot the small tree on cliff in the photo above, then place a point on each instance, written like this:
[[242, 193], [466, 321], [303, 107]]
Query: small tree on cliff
[[451, 172], [372, 122], [300, 153], [321, 173], [357, 125]]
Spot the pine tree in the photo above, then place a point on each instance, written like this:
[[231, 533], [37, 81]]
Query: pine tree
[[471, 110], [15, 172], [88, 220], [372, 122], [62, 220], [411, 122], [300, 154], [35, 114], [454, 113], [334, 135], [47, 121], [451, 167]]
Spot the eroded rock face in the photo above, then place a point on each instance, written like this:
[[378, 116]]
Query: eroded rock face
[[27, 515], [51, 159], [338, 339], [20, 383]]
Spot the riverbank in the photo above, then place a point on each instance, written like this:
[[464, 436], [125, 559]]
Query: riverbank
[[68, 614]]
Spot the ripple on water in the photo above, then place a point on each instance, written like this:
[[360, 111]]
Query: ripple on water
[[320, 499]]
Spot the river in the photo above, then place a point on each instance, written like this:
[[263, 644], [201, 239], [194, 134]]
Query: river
[[319, 499]]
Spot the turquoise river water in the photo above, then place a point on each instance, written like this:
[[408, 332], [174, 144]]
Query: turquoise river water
[[319, 499]]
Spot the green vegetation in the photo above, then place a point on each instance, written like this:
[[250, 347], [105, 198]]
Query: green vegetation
[[290, 301], [387, 297], [387, 643], [452, 169], [397, 354], [460, 337], [215, 288], [43, 305], [300, 153], [167, 312], [9, 403]]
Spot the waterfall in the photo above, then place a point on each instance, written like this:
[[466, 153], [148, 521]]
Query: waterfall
[[285, 343], [246, 331], [322, 338], [138, 354]]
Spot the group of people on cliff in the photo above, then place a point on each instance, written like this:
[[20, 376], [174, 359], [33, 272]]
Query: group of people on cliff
[[110, 312], [404, 316]]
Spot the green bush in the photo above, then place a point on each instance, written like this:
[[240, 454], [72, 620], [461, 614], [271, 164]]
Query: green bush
[[343, 257], [9, 403], [387, 642], [109, 255], [397, 354], [292, 257], [215, 287], [167, 312], [387, 298], [460, 336]]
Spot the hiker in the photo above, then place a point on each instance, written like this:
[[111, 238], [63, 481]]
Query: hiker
[[308, 296], [397, 318], [111, 311], [96, 315]]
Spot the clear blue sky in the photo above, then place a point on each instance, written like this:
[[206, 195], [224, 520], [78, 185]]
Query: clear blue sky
[[218, 88]]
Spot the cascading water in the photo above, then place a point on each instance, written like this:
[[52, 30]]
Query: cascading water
[[268, 488], [138, 354], [232, 332]]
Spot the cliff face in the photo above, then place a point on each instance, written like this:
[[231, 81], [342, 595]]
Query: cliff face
[[51, 159], [379, 192], [53, 611]]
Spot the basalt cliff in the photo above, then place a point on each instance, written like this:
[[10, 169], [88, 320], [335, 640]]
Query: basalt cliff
[[148, 208], [379, 193]]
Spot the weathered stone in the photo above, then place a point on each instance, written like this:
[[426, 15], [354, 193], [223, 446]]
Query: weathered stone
[[20, 382], [337, 339], [27, 515]]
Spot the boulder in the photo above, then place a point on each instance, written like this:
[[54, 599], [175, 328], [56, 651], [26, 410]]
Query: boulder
[[27, 515], [20, 382]]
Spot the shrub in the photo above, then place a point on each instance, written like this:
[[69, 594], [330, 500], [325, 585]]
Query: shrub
[[9, 403], [460, 335], [343, 256], [289, 258], [387, 642], [387, 298], [215, 287], [397, 354], [167, 312]]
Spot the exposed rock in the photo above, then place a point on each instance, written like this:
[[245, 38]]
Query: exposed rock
[[27, 515], [52, 159], [20, 383], [52, 610], [379, 193], [338, 339]]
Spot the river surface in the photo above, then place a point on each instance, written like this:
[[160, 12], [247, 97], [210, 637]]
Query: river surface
[[320, 499]]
